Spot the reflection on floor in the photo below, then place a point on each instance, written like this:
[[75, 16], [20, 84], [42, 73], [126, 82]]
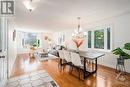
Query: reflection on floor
[[34, 79], [105, 77]]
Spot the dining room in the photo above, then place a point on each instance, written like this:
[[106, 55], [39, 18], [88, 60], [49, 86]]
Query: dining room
[[64, 43]]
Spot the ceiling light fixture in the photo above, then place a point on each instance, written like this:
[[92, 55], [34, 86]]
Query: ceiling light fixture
[[30, 4], [78, 33]]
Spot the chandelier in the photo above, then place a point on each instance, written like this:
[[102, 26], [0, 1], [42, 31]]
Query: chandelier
[[30, 4], [78, 33]]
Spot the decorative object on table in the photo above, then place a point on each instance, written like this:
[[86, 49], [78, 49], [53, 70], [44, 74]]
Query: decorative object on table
[[122, 55], [78, 43], [78, 36]]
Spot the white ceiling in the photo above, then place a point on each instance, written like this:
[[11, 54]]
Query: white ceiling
[[57, 15]]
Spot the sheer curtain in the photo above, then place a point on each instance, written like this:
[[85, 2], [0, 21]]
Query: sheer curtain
[[3, 34]]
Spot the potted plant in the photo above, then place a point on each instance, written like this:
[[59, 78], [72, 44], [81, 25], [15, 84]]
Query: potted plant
[[123, 53]]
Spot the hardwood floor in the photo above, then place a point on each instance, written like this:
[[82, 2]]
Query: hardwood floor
[[105, 77]]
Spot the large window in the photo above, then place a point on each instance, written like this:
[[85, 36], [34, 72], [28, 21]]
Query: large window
[[100, 38], [29, 39]]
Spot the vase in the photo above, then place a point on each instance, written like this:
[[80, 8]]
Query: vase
[[78, 43], [77, 50]]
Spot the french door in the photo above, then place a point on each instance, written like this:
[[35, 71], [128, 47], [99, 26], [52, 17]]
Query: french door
[[3, 51]]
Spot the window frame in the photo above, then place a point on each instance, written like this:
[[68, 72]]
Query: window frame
[[105, 38], [90, 39], [24, 44]]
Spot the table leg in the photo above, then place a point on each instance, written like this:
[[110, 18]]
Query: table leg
[[84, 68], [60, 62], [92, 66], [96, 65]]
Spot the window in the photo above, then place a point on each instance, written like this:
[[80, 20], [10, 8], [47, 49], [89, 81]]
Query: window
[[29, 39], [108, 38], [100, 38], [89, 39]]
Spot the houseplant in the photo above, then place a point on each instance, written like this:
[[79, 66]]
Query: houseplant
[[123, 53]]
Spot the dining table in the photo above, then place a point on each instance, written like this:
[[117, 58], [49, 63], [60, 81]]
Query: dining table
[[92, 56]]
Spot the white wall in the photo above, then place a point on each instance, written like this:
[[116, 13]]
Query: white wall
[[121, 34], [12, 46], [45, 43]]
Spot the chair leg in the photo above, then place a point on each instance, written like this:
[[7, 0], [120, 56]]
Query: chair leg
[[64, 67], [71, 69], [79, 74], [60, 63]]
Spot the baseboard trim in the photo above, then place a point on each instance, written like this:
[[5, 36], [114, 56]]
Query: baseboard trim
[[103, 66]]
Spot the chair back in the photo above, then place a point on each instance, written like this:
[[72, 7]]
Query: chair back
[[75, 59], [61, 54], [67, 56]]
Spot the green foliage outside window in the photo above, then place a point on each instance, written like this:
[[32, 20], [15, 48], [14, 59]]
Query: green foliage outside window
[[99, 39], [36, 43]]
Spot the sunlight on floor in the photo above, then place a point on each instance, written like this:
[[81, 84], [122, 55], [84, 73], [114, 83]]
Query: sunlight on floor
[[27, 66]]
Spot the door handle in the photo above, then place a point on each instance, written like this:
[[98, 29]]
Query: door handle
[[2, 57]]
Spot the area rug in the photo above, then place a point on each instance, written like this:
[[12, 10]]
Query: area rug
[[34, 79], [49, 57]]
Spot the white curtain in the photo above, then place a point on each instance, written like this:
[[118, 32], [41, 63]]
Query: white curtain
[[3, 34]]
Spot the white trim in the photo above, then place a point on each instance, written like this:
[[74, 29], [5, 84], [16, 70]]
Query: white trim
[[105, 39], [92, 40]]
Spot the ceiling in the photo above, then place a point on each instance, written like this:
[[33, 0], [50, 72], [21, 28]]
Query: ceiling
[[57, 15]]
